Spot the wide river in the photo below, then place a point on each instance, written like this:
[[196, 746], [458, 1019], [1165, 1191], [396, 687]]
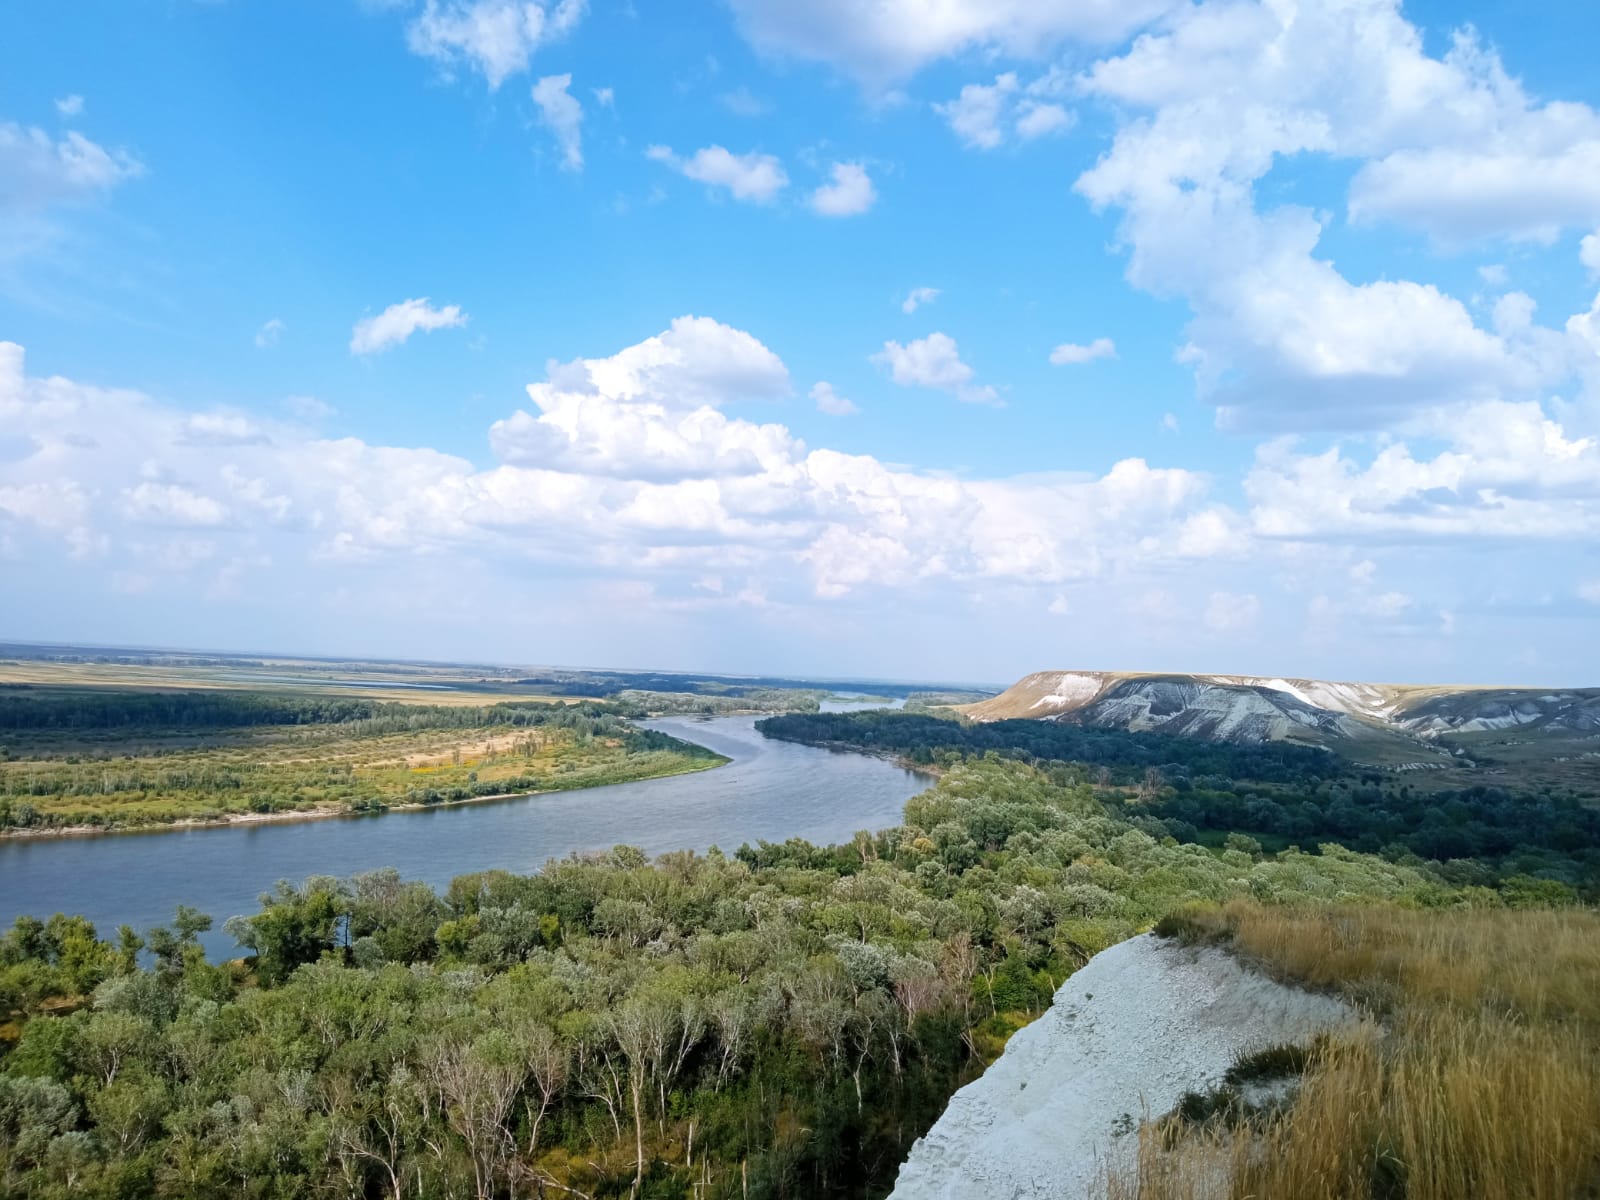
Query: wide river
[[772, 790]]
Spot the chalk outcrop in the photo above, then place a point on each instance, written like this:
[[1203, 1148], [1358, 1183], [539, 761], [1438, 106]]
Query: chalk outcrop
[[1128, 1035], [1384, 724]]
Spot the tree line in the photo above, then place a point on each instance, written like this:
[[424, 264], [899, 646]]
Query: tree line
[[779, 1022]]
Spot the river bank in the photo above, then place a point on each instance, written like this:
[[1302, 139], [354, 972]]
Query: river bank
[[329, 812]]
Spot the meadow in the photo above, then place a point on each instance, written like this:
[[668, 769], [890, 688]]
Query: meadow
[[106, 758], [1476, 1072]]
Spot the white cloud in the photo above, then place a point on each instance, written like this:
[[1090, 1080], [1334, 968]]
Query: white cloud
[[626, 465], [830, 402], [1036, 119], [497, 38], [1068, 353], [1059, 606], [887, 40], [1461, 194], [934, 362], [37, 171], [1509, 472], [1494, 274], [70, 106], [399, 321], [1281, 339], [562, 115], [1589, 253], [605, 97], [984, 115], [172, 504], [975, 115], [1590, 591], [649, 412], [269, 333], [850, 194], [753, 177], [1228, 612], [917, 297]]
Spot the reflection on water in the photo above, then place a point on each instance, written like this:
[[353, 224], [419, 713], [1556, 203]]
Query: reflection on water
[[771, 790]]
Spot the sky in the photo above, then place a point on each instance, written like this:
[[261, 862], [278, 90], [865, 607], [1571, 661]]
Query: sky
[[922, 340]]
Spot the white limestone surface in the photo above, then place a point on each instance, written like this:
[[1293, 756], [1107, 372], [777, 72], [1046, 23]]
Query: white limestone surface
[[1141, 1024]]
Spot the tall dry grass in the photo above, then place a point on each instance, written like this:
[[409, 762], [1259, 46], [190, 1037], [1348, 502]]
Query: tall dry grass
[[1477, 1078]]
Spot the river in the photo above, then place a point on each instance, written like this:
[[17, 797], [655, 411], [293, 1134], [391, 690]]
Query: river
[[772, 790]]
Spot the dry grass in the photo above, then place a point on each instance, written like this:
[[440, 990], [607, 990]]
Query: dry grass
[[1478, 1076]]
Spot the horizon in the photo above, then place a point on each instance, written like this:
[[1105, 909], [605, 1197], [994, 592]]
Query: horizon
[[929, 681], [1243, 338]]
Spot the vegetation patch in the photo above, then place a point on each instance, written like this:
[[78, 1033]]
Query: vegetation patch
[[780, 1022], [111, 760], [1482, 1079]]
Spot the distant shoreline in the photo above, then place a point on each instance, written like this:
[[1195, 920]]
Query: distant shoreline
[[322, 812]]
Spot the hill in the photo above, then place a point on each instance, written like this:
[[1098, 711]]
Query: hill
[[1393, 725]]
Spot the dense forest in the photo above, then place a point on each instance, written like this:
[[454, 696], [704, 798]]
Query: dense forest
[[779, 1022], [1197, 791], [928, 739]]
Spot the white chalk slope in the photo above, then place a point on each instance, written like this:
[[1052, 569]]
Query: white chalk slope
[[1136, 1028]]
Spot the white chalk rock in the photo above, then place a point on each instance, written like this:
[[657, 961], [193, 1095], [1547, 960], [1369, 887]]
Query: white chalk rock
[[1141, 1024]]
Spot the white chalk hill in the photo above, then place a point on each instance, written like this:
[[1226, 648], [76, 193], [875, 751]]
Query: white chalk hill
[[1141, 1024], [1382, 723]]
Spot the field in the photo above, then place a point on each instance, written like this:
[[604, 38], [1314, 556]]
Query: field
[[103, 758], [1476, 1074]]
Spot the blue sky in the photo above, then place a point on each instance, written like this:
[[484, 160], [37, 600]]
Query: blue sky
[[1244, 336]]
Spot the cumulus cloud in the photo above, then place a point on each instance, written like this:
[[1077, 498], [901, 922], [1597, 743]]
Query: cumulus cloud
[[1509, 472], [917, 297], [562, 115], [628, 464], [983, 115], [496, 38], [398, 322], [884, 41], [1279, 337], [850, 194], [1036, 119], [70, 106], [1069, 354], [974, 115], [753, 177], [934, 362], [1589, 253], [830, 402]]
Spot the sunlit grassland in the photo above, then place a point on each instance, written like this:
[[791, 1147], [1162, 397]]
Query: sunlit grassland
[[421, 685], [149, 780], [1476, 1073]]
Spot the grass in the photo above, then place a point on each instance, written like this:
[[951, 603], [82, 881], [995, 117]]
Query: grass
[[148, 779], [1476, 1074]]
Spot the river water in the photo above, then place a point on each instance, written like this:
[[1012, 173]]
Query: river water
[[771, 790]]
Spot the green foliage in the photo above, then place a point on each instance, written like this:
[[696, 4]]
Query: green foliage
[[106, 758], [1247, 797], [796, 1013]]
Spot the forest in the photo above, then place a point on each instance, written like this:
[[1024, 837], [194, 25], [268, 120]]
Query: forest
[[777, 1022], [1276, 795], [97, 758]]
